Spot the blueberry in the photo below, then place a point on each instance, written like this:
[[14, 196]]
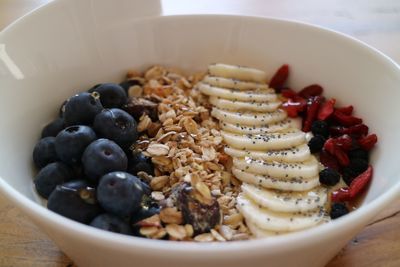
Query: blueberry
[[120, 193], [117, 125], [355, 168], [338, 210], [111, 95], [75, 200], [103, 156], [144, 213], [72, 141], [129, 83], [138, 162], [329, 177], [316, 143], [53, 128], [112, 223], [320, 128], [82, 108], [50, 176], [359, 154], [44, 152]]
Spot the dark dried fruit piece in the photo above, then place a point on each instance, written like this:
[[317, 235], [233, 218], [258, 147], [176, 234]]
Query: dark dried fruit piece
[[311, 90], [202, 216], [136, 107], [278, 80]]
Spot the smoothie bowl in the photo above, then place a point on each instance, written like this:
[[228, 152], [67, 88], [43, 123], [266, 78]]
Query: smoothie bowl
[[240, 127]]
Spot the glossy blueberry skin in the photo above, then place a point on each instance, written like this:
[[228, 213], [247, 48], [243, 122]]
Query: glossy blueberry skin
[[53, 128], [71, 142], [120, 193], [75, 200], [329, 177], [111, 95], [117, 125], [50, 176], [44, 152], [138, 162], [316, 143], [82, 108], [101, 157], [112, 223]]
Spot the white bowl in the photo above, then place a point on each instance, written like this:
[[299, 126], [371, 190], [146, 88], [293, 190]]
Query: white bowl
[[69, 45]]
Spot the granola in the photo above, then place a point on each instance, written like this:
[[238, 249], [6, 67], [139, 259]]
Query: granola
[[185, 146]]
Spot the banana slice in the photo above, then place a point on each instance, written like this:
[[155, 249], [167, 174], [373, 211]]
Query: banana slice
[[237, 72], [305, 170], [268, 141], [259, 96], [246, 106], [293, 154], [261, 233], [278, 221], [284, 201], [267, 128], [291, 184], [249, 118], [233, 83]]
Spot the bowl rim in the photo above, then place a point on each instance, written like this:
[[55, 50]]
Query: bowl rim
[[292, 240]]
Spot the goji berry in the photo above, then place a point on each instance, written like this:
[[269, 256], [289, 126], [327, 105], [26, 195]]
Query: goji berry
[[344, 141], [278, 80], [356, 187], [326, 109], [335, 150], [311, 90], [346, 110], [345, 120], [311, 113], [342, 194], [360, 182], [368, 142], [328, 160], [288, 93], [358, 130]]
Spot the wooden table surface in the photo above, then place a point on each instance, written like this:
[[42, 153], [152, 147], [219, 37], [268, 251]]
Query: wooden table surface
[[376, 22]]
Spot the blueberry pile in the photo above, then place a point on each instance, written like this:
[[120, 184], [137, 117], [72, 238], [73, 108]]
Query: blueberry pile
[[87, 170]]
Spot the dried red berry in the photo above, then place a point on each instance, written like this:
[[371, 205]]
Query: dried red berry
[[326, 109], [346, 110], [328, 160], [288, 93], [356, 187], [311, 115], [311, 90], [344, 141], [360, 182], [332, 146], [291, 108], [340, 195], [358, 130], [368, 142], [278, 80], [345, 120]]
